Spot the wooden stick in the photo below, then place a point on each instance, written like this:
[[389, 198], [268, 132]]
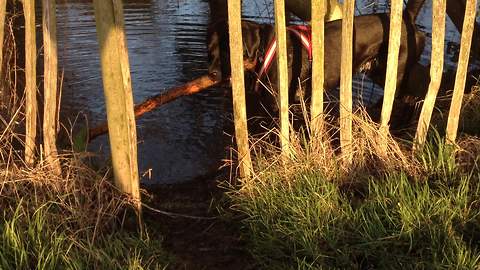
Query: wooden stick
[[119, 98], [50, 84], [31, 106], [466, 42], [282, 66], [151, 103], [456, 12], [318, 66], [346, 102], [436, 72], [396, 9], [3, 6], [238, 87]]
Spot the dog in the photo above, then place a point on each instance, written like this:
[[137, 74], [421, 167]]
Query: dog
[[370, 51]]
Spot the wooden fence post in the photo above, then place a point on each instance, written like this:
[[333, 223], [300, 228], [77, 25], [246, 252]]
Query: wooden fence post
[[3, 7], [50, 84], [396, 10], [118, 96], [436, 70], [456, 12], [318, 66], [346, 81], [238, 86], [459, 88], [281, 36], [30, 81]]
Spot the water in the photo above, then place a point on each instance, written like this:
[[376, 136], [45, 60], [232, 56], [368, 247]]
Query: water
[[166, 41]]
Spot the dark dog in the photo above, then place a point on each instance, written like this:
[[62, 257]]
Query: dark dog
[[371, 33]]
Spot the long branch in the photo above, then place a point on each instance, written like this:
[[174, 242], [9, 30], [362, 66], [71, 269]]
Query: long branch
[[192, 87]]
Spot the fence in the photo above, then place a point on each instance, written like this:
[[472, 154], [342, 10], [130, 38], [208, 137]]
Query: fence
[[118, 89], [439, 15]]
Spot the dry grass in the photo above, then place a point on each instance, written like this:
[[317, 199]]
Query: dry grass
[[314, 211], [322, 154], [71, 220]]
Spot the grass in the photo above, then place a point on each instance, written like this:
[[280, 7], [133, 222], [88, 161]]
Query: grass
[[387, 210], [74, 221]]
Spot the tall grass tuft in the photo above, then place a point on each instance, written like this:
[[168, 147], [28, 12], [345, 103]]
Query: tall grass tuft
[[71, 221], [389, 210]]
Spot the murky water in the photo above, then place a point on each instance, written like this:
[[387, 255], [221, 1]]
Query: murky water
[[166, 41]]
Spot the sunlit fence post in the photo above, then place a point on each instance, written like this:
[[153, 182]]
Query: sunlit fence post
[[50, 84], [436, 70], [318, 65], [118, 96], [456, 12], [30, 81], [460, 80], [3, 6], [346, 81], [238, 86], [396, 9], [281, 35]]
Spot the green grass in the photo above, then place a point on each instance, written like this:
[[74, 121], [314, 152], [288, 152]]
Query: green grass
[[77, 220], [32, 241], [303, 217]]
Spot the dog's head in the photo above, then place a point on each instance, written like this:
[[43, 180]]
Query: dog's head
[[219, 50]]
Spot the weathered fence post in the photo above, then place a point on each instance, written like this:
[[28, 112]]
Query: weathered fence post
[[396, 9], [346, 81], [3, 7], [118, 96], [238, 86], [436, 70], [456, 12], [30, 81], [318, 65], [462, 68], [50, 84], [281, 35]]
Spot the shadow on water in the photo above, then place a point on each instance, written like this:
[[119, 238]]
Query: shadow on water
[[166, 41]]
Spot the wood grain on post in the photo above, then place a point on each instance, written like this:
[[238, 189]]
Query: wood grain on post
[[118, 96], [462, 68], [3, 6], [282, 66], [346, 102], [50, 84], [436, 70], [396, 10], [318, 65], [238, 86], [31, 106]]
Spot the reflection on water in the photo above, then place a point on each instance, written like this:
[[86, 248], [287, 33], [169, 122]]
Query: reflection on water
[[166, 41]]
